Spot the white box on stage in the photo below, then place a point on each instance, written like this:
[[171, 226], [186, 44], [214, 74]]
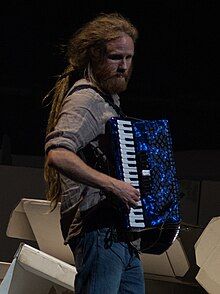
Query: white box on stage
[[172, 263], [207, 250], [32, 220], [3, 269], [33, 271]]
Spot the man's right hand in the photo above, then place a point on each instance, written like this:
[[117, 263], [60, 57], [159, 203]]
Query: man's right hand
[[125, 191]]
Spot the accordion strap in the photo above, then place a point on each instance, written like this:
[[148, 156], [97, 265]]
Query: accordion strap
[[97, 152], [106, 97]]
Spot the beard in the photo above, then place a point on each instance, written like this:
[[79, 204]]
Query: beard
[[114, 85], [111, 83]]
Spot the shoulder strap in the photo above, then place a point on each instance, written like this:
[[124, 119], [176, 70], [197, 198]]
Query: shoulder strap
[[101, 158], [106, 97]]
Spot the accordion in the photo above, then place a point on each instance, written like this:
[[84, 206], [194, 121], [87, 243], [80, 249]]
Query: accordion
[[142, 155]]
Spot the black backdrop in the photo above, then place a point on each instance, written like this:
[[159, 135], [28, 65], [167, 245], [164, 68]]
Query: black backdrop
[[175, 73]]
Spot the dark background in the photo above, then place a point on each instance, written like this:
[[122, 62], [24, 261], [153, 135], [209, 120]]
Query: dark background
[[175, 74]]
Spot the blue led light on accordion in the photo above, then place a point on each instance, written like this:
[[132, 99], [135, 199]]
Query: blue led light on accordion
[[161, 205]]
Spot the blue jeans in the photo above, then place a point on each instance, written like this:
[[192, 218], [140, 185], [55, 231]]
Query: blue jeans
[[105, 266]]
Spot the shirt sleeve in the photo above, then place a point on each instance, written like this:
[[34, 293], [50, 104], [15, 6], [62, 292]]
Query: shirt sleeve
[[79, 123]]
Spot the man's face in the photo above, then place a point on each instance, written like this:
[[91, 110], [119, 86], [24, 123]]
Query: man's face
[[115, 69]]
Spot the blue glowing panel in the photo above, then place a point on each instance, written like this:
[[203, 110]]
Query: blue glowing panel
[[161, 201]]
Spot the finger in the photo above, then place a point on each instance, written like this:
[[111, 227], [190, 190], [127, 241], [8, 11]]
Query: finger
[[133, 206], [138, 192], [127, 205], [133, 203], [126, 202], [136, 197]]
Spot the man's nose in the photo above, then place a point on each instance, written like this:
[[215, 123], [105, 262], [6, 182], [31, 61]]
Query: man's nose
[[123, 65]]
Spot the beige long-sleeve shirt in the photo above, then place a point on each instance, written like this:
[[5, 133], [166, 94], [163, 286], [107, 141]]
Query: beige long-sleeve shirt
[[82, 120]]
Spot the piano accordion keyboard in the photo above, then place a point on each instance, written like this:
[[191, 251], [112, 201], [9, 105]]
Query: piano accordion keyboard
[[129, 167]]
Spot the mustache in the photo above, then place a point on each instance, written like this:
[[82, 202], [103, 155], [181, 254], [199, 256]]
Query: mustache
[[125, 76], [104, 73]]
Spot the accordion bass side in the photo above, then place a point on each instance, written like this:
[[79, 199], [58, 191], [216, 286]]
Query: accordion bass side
[[142, 155]]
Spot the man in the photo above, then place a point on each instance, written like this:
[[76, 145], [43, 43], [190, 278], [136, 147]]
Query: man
[[100, 62]]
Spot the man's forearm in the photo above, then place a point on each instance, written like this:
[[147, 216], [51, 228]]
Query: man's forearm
[[70, 165]]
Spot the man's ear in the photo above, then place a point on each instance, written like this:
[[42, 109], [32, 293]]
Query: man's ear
[[94, 53]]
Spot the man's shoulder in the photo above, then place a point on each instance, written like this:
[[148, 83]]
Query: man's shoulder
[[85, 92]]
